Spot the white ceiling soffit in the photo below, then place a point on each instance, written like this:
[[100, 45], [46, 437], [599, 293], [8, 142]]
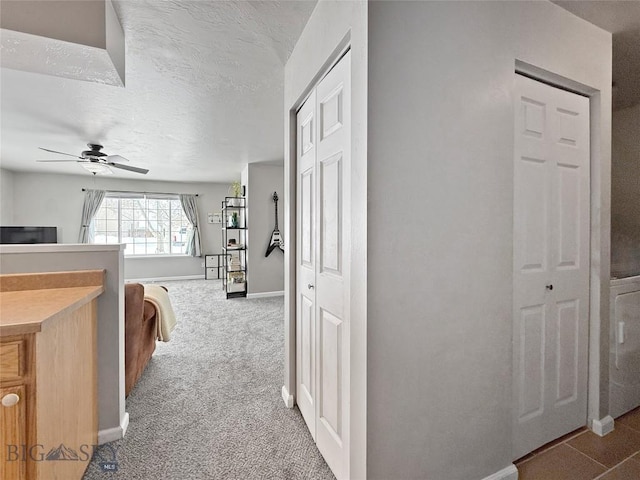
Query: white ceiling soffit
[[622, 18], [81, 40], [203, 94]]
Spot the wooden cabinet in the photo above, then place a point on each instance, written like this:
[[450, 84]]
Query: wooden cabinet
[[48, 382], [11, 360]]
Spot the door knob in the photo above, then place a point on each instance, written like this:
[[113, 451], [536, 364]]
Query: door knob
[[310, 286], [10, 399], [549, 287]]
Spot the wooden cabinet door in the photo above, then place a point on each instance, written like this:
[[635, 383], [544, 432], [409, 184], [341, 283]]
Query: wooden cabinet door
[[13, 434]]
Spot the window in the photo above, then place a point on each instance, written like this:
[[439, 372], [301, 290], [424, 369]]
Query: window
[[147, 224]]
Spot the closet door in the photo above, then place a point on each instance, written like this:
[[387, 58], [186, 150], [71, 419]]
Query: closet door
[[322, 264], [306, 264], [551, 263], [333, 157]]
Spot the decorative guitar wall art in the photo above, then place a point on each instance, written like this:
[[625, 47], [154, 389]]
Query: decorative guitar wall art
[[276, 238]]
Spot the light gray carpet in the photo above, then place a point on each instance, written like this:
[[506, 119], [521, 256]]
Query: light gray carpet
[[208, 406]]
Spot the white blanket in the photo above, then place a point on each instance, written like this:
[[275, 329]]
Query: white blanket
[[165, 317]]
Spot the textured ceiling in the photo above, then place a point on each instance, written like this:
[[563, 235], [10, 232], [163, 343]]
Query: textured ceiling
[[203, 93], [622, 18]]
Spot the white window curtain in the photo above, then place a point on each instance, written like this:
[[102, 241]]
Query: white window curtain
[[92, 201], [190, 208]]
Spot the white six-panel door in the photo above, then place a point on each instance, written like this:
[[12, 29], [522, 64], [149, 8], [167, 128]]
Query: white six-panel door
[[306, 263], [551, 263], [323, 260]]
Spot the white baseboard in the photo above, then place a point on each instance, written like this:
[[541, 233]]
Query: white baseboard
[[288, 399], [507, 473], [265, 294], [163, 279], [115, 433], [602, 427]]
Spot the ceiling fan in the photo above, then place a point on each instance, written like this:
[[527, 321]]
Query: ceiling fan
[[96, 161]]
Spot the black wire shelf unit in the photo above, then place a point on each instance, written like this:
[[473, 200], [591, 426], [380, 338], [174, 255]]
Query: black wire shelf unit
[[234, 246]]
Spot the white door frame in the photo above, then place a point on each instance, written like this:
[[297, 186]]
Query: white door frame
[[290, 215], [598, 418]]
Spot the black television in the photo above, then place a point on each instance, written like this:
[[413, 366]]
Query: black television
[[13, 235]]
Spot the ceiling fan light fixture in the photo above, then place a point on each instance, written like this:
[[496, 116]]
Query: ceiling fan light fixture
[[97, 168], [97, 162]]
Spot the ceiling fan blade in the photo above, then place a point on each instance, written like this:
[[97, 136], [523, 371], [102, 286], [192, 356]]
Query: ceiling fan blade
[[116, 158], [59, 153], [58, 161], [127, 167]]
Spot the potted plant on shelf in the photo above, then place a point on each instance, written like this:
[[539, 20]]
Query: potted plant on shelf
[[233, 220], [236, 190]]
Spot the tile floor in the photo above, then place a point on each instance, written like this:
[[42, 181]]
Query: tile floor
[[582, 455]]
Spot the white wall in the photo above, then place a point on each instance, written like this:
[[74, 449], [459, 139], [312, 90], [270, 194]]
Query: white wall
[[264, 274], [332, 26], [440, 179], [47, 258], [625, 192], [56, 200], [6, 197]]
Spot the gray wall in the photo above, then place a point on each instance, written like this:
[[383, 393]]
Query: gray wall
[[265, 274], [38, 258], [6, 197], [625, 193], [440, 180], [56, 200]]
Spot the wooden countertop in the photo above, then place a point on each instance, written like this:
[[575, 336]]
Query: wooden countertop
[[28, 310]]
